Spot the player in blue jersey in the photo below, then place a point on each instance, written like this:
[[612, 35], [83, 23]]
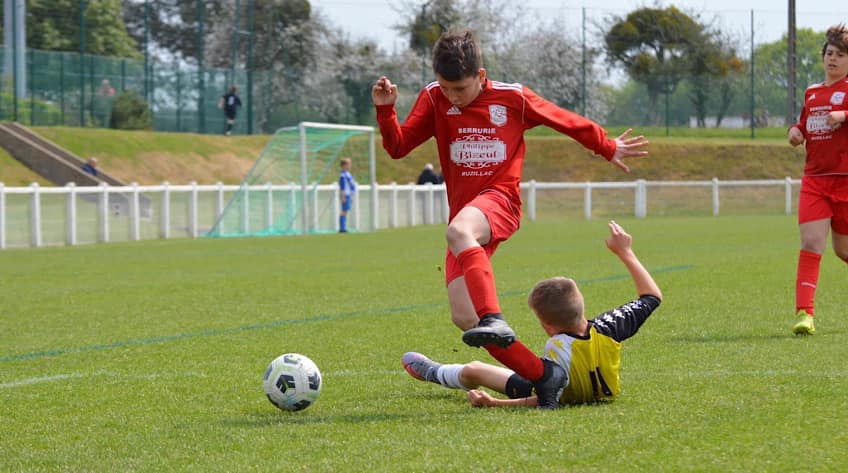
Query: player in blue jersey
[[347, 188], [589, 351]]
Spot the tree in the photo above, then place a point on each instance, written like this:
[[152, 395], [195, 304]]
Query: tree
[[551, 67], [713, 61], [358, 67], [652, 44], [54, 25], [424, 22], [171, 25], [283, 30], [770, 80]]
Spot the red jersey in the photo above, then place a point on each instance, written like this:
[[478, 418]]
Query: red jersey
[[827, 150], [481, 146]]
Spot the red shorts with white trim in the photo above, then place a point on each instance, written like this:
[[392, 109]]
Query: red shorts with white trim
[[824, 197], [503, 219]]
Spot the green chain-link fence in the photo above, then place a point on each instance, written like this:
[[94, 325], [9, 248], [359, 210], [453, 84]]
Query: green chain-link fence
[[70, 89]]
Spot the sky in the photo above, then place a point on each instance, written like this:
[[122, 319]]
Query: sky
[[373, 19]]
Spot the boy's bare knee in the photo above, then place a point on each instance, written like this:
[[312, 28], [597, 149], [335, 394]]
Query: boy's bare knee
[[471, 374], [455, 234], [813, 245], [464, 320], [840, 246]]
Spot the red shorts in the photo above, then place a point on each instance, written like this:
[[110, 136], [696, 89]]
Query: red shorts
[[824, 197], [503, 219]]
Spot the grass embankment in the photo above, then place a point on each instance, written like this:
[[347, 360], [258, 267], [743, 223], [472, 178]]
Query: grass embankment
[[179, 158]]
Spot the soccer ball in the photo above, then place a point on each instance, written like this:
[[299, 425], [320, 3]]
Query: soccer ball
[[292, 382]]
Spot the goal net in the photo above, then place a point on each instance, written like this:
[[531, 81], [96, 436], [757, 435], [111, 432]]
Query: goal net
[[293, 188]]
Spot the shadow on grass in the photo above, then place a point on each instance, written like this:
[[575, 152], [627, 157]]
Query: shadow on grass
[[441, 404]]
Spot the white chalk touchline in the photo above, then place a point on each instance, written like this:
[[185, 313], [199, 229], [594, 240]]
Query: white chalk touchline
[[40, 379], [345, 373]]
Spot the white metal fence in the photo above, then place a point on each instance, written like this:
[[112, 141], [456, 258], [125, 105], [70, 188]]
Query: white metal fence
[[38, 216]]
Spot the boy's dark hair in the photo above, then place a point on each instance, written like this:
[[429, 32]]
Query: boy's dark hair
[[456, 55], [837, 36]]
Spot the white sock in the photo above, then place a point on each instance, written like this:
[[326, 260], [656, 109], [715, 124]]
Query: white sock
[[448, 376]]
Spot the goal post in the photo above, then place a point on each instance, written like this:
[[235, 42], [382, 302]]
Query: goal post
[[292, 187]]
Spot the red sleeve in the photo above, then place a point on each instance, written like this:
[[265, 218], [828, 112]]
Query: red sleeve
[[399, 140], [586, 132], [802, 120]]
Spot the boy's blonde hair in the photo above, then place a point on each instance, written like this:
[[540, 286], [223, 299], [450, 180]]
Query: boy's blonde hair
[[556, 301], [345, 161], [836, 36]]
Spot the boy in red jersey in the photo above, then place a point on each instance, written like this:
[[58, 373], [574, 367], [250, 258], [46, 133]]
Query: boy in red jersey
[[823, 202], [479, 128], [588, 350]]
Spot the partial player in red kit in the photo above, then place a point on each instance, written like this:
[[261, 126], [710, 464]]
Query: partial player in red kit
[[479, 128], [823, 202]]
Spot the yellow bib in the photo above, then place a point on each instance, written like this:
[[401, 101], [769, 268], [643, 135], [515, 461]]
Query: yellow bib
[[593, 366]]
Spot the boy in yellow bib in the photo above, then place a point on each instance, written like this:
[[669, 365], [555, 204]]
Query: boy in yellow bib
[[588, 350]]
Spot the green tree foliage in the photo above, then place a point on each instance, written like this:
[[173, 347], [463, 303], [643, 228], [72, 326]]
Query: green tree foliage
[[171, 24], [551, 67], [359, 67], [286, 36], [131, 112], [175, 26], [713, 66], [652, 44], [54, 25], [431, 19], [770, 79]]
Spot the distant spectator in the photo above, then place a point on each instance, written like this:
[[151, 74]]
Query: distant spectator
[[101, 104], [90, 166], [230, 102], [429, 176], [106, 89]]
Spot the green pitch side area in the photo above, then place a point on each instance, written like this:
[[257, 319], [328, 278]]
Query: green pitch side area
[[149, 356]]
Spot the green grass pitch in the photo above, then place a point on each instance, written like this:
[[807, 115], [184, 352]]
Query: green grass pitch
[[149, 356]]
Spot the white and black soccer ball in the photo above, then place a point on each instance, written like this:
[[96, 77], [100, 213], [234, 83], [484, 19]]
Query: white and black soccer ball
[[292, 382]]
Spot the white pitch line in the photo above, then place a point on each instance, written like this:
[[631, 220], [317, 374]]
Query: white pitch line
[[40, 379], [346, 373], [59, 377], [364, 373]]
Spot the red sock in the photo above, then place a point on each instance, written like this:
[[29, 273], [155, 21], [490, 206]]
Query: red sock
[[518, 358], [480, 281], [806, 281]]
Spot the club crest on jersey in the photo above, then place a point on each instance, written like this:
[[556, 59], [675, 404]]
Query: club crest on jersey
[[837, 98], [497, 115]]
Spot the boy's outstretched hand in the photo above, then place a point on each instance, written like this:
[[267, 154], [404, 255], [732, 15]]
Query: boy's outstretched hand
[[619, 241], [479, 398], [628, 147], [384, 92]]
